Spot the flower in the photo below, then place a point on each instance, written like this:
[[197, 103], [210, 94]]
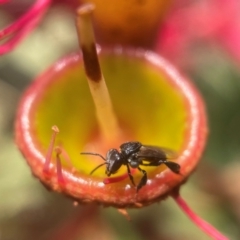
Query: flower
[[61, 97], [187, 24], [40, 107], [190, 23]]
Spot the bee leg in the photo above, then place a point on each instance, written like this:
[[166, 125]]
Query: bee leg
[[130, 175], [173, 166], [143, 180]]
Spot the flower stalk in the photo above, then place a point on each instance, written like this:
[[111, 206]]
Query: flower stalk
[[206, 227]]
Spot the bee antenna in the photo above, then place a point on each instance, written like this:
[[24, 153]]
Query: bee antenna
[[95, 154], [97, 168]]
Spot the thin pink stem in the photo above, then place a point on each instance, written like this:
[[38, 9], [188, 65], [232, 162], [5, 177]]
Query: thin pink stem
[[67, 159], [206, 227], [50, 150], [35, 11], [110, 180], [60, 177], [23, 26], [11, 44]]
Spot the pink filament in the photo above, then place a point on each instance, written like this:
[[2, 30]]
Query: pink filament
[[206, 227], [60, 177], [23, 25], [50, 150], [67, 159], [110, 180]]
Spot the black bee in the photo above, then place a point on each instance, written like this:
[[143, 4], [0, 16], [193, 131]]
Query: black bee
[[134, 155]]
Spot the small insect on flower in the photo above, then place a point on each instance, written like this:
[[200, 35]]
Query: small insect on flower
[[134, 155]]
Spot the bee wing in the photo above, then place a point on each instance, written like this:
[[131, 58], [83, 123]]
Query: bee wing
[[149, 152]]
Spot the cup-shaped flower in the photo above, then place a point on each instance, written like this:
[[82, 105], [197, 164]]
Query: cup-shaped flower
[[154, 105]]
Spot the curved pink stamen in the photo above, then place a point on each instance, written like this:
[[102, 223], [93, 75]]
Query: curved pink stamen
[[60, 177], [12, 43], [206, 227], [23, 25], [118, 178], [46, 165]]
